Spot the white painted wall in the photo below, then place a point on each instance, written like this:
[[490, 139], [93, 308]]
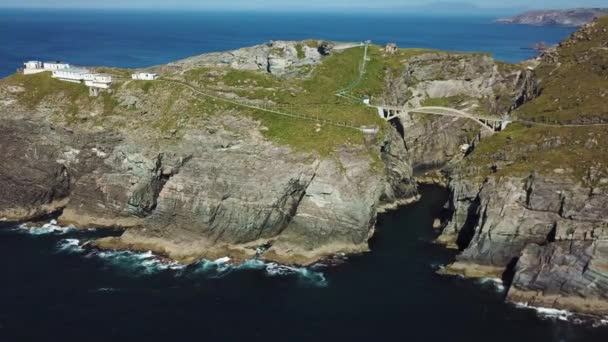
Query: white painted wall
[[144, 76]]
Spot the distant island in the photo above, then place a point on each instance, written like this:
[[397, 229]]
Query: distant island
[[565, 17]]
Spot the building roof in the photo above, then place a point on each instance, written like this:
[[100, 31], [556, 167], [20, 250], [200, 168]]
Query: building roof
[[75, 70]]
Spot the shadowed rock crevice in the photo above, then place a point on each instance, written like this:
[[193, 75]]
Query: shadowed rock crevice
[[467, 232]]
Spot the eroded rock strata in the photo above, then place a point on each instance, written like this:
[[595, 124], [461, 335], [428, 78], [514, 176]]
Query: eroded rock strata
[[531, 205]]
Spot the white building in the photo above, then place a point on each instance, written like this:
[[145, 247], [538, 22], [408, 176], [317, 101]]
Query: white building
[[56, 66], [34, 67], [75, 75], [79, 75], [144, 76], [98, 81]]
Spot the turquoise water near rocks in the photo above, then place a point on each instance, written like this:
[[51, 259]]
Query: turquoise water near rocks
[[145, 38], [53, 290]]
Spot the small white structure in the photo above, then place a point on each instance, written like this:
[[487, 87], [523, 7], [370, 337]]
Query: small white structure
[[91, 80], [75, 75], [34, 67], [98, 81], [144, 76], [366, 100], [56, 65]]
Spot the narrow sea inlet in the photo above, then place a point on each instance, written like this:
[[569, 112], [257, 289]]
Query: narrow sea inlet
[[391, 293]]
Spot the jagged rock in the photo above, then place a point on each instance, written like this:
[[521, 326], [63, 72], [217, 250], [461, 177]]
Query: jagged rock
[[554, 227], [33, 182], [276, 57], [570, 275]]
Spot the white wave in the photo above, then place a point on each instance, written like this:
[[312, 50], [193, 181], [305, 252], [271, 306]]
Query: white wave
[[222, 267], [70, 245], [562, 315], [137, 263], [309, 275], [496, 283], [48, 228]]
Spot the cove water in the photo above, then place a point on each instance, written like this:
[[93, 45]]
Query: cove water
[[53, 290], [145, 38]]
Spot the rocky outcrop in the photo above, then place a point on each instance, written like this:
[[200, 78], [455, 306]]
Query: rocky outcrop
[[568, 274], [224, 190], [275, 57], [33, 183], [470, 82], [566, 17], [550, 232]]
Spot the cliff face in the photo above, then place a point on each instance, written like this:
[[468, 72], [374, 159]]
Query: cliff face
[[474, 83], [550, 232], [531, 204], [177, 202]]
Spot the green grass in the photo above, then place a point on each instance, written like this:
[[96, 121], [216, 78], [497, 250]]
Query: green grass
[[40, 86], [300, 51], [521, 150], [576, 89]]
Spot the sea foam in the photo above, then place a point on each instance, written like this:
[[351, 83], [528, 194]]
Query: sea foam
[[495, 283], [548, 313], [221, 267], [146, 263], [47, 228]]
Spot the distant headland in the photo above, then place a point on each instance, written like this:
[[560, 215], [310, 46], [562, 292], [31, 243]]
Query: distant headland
[[564, 17]]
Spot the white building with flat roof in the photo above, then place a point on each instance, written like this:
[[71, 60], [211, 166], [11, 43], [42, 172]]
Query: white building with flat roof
[[98, 81], [56, 65], [144, 76], [34, 67], [80, 75], [75, 75]]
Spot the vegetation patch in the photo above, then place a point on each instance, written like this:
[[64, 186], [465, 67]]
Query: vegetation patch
[[574, 86], [300, 51], [521, 150]]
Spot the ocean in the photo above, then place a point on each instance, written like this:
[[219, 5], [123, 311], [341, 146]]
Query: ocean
[[145, 38], [53, 290]]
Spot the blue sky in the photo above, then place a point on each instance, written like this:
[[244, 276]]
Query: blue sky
[[296, 4]]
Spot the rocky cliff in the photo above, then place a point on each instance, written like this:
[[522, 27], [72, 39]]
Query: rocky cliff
[[474, 83], [192, 178], [531, 204]]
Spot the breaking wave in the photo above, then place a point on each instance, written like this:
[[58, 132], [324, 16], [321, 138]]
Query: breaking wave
[[147, 263], [496, 283], [70, 245], [136, 263], [565, 316], [47, 228], [221, 267], [548, 313]]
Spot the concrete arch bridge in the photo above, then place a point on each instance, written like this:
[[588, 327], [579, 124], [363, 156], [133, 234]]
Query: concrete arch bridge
[[490, 123]]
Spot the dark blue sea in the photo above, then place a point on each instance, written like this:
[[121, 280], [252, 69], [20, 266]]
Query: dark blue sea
[[146, 38], [53, 290]]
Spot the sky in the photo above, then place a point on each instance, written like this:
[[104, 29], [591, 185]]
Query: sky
[[301, 4]]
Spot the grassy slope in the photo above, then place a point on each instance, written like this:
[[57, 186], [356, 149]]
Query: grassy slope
[[173, 109], [575, 89], [564, 151]]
